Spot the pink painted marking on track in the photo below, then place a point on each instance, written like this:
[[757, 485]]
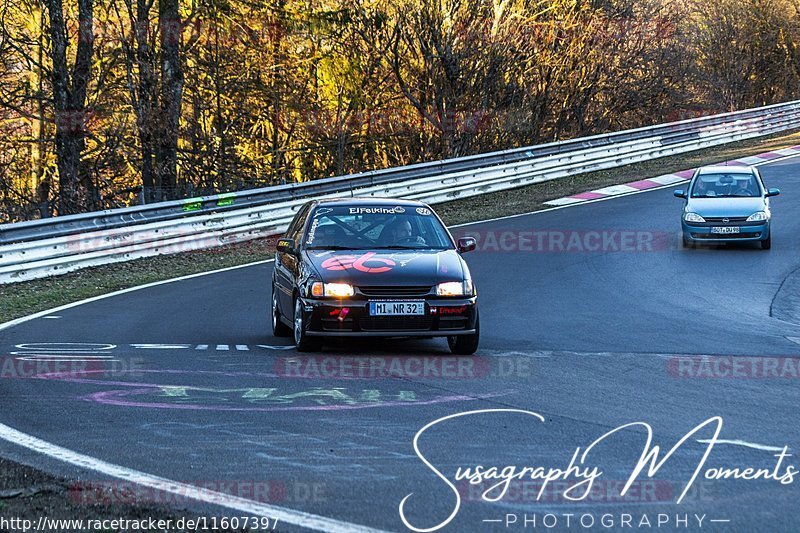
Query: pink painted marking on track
[[643, 184], [589, 195], [116, 398]]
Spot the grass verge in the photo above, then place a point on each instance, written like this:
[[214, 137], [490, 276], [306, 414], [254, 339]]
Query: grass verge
[[28, 297]]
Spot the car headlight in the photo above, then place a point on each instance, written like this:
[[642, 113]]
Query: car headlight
[[334, 290], [455, 288], [693, 217], [757, 216]]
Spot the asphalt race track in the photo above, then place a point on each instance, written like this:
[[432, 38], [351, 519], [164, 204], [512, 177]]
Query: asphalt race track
[[598, 322]]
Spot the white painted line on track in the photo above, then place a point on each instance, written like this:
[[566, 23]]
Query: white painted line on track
[[161, 346], [565, 201], [667, 179], [267, 347], [56, 353], [72, 347], [753, 160], [754, 446], [252, 508], [52, 359], [60, 356], [615, 189]]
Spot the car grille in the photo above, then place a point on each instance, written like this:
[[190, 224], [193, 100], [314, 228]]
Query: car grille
[[396, 323], [726, 236], [395, 291], [334, 324], [731, 220], [452, 323]]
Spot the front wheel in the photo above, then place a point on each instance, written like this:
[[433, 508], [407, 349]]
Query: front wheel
[[465, 344], [279, 329], [302, 341], [766, 244]]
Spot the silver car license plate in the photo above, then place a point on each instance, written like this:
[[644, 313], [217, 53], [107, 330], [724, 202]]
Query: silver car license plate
[[391, 308], [725, 229]]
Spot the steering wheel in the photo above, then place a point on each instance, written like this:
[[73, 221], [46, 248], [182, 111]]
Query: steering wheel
[[413, 239]]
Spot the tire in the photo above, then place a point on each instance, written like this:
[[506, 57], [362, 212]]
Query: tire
[[302, 341], [766, 244], [687, 243], [279, 329], [465, 344]]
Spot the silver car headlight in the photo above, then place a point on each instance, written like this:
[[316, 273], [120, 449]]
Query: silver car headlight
[[758, 216], [693, 217]]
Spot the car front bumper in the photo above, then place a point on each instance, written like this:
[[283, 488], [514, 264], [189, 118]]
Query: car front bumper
[[747, 232], [350, 318]]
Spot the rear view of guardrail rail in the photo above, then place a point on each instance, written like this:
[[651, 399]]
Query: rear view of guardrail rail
[[40, 248]]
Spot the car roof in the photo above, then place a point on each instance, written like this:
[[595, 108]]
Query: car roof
[[344, 202], [721, 169]]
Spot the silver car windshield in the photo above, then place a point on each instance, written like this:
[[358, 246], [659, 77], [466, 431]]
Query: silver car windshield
[[375, 227], [726, 186]]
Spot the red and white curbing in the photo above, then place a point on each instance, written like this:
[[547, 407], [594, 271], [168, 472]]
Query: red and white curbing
[[666, 179]]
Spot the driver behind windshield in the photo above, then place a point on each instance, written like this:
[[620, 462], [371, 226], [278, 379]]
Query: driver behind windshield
[[702, 189], [400, 232], [744, 188]]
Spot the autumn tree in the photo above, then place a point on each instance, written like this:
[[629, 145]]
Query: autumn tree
[[70, 81]]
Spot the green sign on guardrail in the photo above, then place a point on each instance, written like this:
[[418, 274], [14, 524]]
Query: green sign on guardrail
[[192, 204], [226, 199]]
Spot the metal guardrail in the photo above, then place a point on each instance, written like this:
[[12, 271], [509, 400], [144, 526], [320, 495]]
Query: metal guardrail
[[143, 214], [69, 243]]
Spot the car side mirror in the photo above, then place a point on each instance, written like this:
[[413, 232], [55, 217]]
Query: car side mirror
[[773, 192], [680, 193], [286, 246], [467, 244]]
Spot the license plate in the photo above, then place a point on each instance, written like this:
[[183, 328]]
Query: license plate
[[725, 229], [396, 308]]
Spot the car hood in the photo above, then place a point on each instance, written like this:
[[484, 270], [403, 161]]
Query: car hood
[[725, 207], [388, 267]]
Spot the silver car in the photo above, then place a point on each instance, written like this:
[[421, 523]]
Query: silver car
[[726, 204]]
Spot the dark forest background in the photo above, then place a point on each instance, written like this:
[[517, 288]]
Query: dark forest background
[[109, 103]]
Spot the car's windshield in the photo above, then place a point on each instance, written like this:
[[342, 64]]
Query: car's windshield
[[725, 186], [375, 227]]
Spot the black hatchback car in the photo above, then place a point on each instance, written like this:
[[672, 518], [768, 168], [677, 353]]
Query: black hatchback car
[[372, 267]]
